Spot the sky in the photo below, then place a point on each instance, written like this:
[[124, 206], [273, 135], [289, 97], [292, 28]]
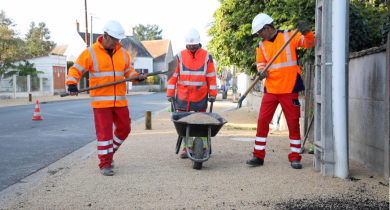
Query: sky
[[174, 17]]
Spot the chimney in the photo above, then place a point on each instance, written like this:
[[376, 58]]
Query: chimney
[[131, 31], [77, 26]]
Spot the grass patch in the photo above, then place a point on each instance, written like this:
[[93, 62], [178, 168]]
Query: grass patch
[[52, 172]]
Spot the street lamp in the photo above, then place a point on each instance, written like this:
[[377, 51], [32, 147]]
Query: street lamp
[[92, 16]]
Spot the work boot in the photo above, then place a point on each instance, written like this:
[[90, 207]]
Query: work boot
[[296, 164], [183, 154], [107, 171], [112, 164], [255, 161]]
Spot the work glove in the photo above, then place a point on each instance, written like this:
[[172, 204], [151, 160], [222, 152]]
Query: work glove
[[73, 89], [211, 98], [140, 80], [303, 27], [263, 75], [170, 98]]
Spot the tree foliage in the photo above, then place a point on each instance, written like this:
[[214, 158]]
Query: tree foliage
[[10, 44], [368, 24], [38, 40], [233, 43], [148, 32]]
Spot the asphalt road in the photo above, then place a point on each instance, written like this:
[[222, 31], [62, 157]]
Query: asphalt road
[[28, 146]]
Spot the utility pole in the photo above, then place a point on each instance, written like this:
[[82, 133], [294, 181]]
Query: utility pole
[[91, 36], [86, 25], [91, 42]]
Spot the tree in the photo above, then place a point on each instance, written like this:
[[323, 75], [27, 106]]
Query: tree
[[22, 70], [368, 24], [10, 44], [38, 40], [233, 43], [148, 32]]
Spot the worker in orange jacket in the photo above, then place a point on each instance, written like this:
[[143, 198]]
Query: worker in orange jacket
[[194, 78], [282, 84], [106, 62]]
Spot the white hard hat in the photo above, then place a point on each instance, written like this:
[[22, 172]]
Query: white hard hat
[[192, 37], [260, 21], [114, 29]]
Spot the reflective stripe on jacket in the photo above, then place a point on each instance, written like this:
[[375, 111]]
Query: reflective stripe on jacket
[[284, 75], [103, 69], [195, 79]]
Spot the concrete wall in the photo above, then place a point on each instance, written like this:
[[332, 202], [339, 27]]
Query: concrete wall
[[368, 84]]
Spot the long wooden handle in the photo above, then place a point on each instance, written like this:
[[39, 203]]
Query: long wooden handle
[[272, 60], [114, 83]]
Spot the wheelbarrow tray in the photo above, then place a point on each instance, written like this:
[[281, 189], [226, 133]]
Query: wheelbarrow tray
[[197, 129]]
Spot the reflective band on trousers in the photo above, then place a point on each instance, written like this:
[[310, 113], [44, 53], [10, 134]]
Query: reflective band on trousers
[[295, 142], [117, 140], [192, 83], [106, 74], [105, 151], [107, 98], [104, 143]]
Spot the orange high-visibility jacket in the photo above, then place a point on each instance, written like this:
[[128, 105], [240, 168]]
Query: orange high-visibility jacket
[[195, 79], [103, 69], [284, 75]]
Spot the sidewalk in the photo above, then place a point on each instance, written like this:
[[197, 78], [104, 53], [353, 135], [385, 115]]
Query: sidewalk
[[149, 175]]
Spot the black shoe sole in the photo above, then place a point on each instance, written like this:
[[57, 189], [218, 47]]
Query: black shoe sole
[[253, 163]]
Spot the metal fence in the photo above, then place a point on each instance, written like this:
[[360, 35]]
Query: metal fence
[[25, 84]]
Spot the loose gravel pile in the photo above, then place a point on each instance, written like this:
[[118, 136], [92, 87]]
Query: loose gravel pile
[[199, 118]]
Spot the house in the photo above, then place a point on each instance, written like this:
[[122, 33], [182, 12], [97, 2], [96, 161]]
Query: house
[[53, 77], [141, 58], [162, 53]]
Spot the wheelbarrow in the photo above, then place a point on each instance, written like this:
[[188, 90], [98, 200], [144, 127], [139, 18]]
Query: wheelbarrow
[[186, 129]]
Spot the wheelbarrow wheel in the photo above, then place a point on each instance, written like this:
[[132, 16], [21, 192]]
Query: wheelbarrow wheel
[[198, 153]]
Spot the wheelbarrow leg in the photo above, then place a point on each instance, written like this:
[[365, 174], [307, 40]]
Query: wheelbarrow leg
[[178, 143]]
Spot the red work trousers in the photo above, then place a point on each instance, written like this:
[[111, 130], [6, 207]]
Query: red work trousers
[[109, 142], [291, 109]]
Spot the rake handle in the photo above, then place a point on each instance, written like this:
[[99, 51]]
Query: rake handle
[[113, 83]]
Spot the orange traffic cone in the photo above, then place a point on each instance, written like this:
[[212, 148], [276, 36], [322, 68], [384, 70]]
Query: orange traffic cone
[[37, 112]]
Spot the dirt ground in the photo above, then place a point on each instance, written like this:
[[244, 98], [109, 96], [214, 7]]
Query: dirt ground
[[149, 175]]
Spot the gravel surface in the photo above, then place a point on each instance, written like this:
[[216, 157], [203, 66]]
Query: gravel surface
[[149, 175], [199, 118]]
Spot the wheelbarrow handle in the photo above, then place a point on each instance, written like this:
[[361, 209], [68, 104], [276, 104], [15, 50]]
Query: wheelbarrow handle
[[211, 106], [173, 105]]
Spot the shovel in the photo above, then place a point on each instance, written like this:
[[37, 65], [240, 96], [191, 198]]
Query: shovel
[[264, 70], [171, 67]]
